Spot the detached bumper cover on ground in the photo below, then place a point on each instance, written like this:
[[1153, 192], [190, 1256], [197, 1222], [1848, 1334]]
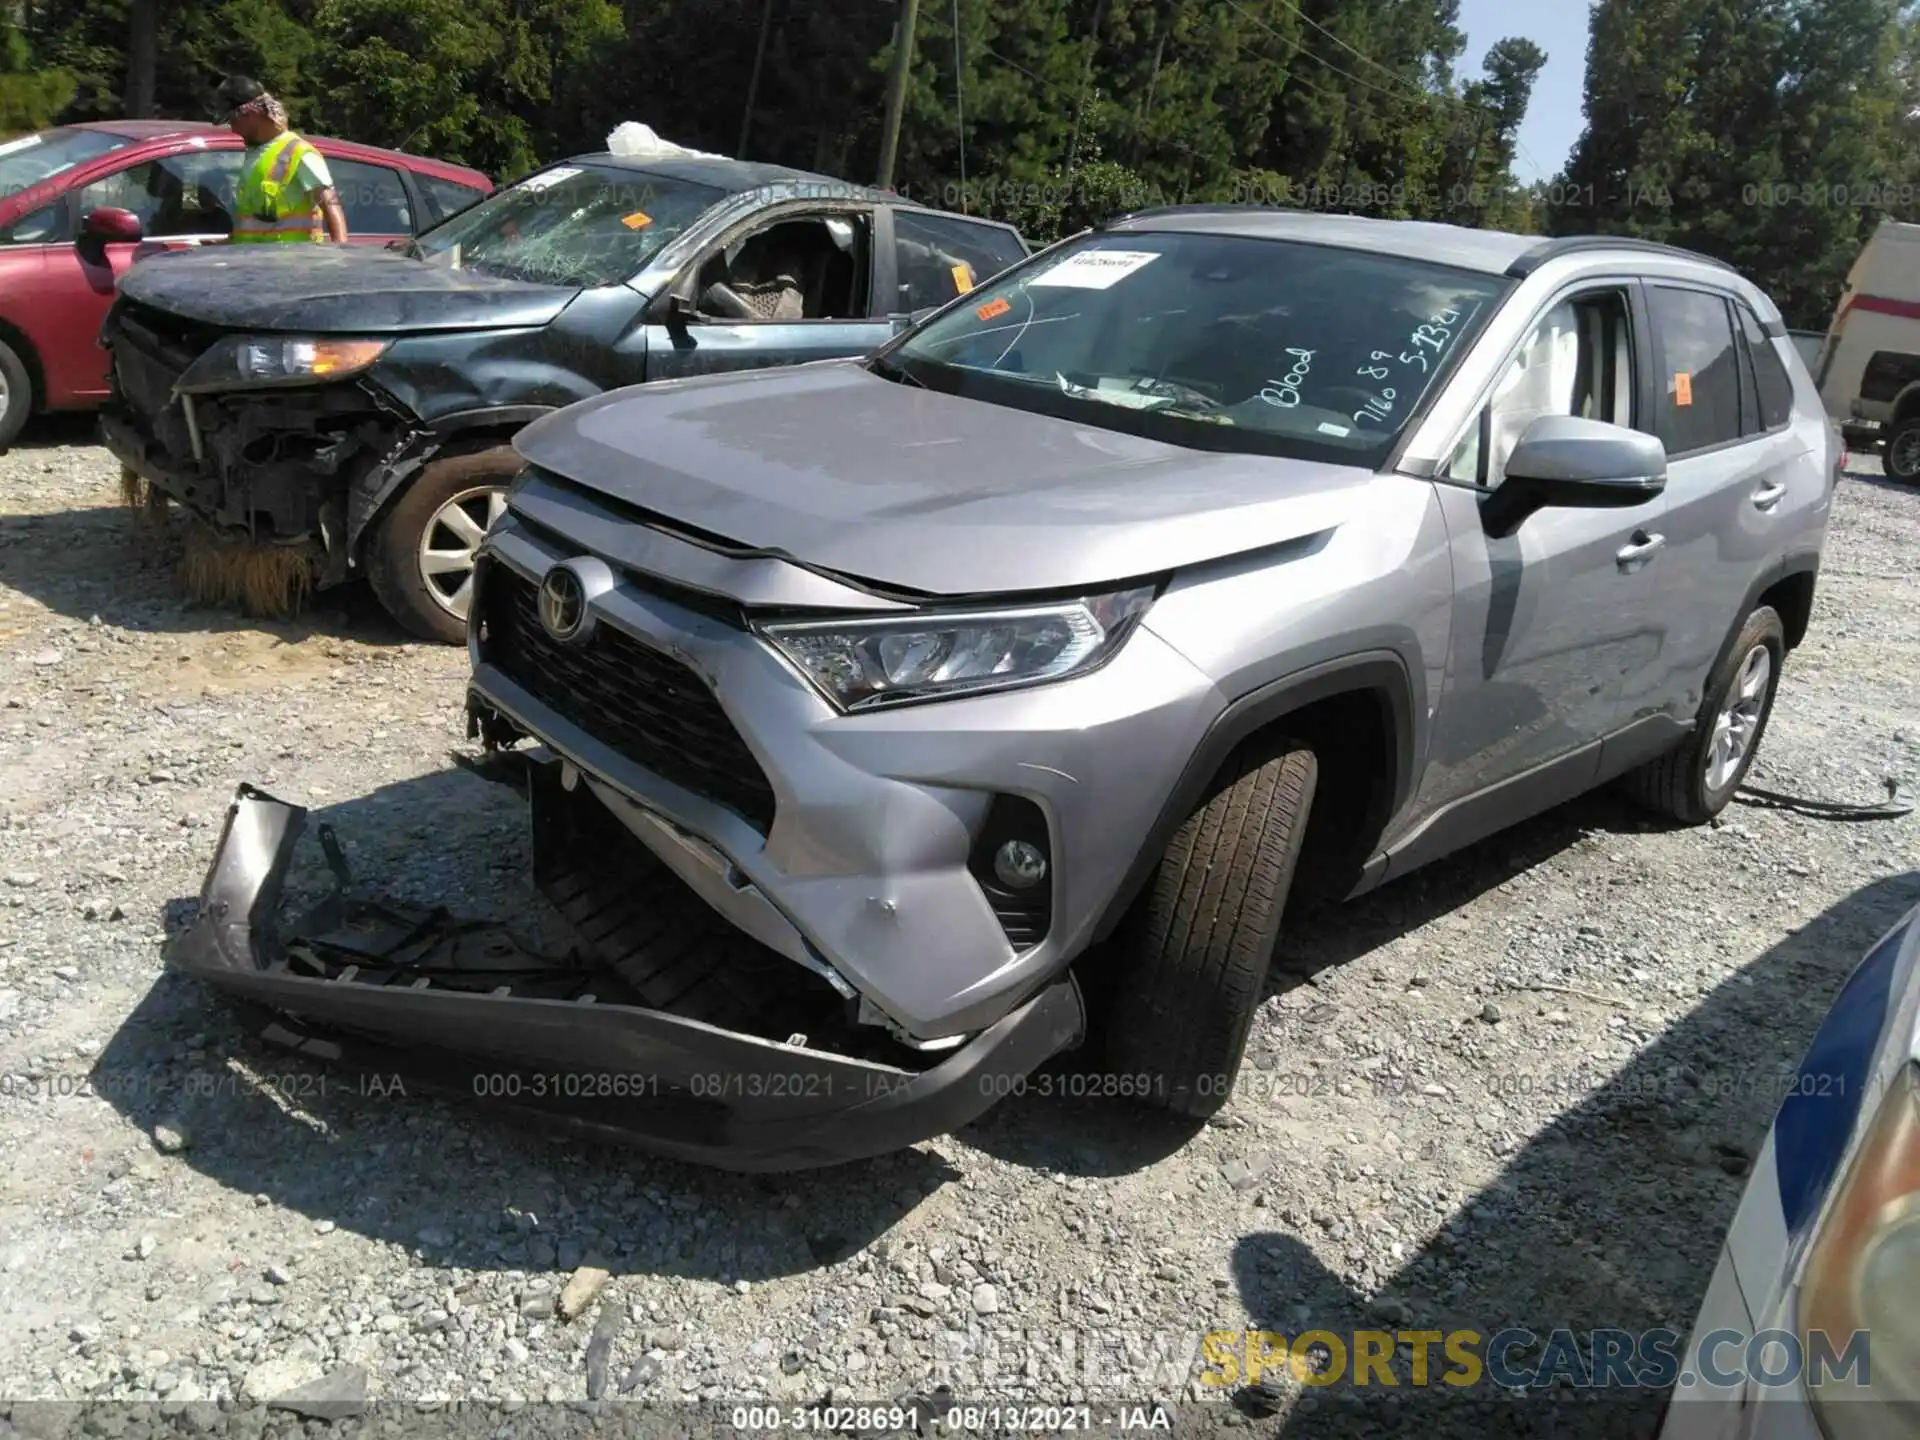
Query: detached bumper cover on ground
[[459, 1007]]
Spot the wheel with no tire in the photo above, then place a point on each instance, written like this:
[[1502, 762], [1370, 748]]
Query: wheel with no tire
[[420, 560], [1189, 964], [1695, 782], [16, 395], [1901, 454]]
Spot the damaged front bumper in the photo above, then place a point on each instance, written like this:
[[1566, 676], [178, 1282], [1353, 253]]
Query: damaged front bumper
[[607, 1047], [306, 465]]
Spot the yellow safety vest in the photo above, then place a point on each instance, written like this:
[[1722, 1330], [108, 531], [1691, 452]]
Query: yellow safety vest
[[265, 201]]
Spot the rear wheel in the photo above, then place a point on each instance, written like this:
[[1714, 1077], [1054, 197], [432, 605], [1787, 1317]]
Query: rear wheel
[[1902, 453], [421, 560], [1190, 962], [16, 395], [1697, 781]]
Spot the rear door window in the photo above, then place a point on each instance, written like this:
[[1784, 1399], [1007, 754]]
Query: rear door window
[[373, 197], [1769, 374], [941, 256], [1699, 388]]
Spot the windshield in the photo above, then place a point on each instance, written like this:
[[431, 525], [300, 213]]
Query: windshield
[[1219, 342], [26, 161], [569, 225]]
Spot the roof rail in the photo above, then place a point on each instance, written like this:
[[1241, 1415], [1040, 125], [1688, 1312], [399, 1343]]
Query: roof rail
[[1211, 208], [1573, 244]]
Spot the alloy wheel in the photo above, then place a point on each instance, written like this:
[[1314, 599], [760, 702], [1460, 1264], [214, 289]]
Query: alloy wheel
[[1903, 457], [1738, 722], [452, 539]]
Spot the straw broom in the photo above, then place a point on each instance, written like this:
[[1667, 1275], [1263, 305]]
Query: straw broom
[[271, 582]]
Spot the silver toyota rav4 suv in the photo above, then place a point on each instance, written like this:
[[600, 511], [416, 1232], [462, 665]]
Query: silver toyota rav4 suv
[[1005, 686]]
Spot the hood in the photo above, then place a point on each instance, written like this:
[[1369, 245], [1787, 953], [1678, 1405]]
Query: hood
[[334, 290], [906, 488]]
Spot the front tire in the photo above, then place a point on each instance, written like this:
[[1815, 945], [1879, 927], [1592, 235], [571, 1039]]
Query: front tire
[[1190, 961], [420, 561], [16, 395], [1698, 780]]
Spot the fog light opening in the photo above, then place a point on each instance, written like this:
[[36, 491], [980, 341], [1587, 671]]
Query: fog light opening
[[1019, 865]]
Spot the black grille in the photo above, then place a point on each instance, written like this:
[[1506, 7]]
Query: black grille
[[640, 701]]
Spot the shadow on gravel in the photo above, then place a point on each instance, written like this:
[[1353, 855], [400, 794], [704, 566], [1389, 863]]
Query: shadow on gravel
[[466, 1184], [1611, 1218], [1080, 1136], [61, 429], [107, 561]]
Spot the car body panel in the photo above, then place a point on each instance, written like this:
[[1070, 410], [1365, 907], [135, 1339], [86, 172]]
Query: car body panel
[[947, 510], [54, 298], [684, 1088], [336, 290]]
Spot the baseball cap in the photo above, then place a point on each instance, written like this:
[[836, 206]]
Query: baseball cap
[[237, 90]]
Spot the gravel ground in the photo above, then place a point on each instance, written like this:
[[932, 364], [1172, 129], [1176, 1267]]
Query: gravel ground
[[1521, 1088]]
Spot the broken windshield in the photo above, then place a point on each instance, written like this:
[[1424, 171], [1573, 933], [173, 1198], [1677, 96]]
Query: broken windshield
[[583, 225], [1214, 341]]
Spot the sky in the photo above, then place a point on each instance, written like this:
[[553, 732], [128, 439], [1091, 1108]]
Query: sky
[[1558, 27]]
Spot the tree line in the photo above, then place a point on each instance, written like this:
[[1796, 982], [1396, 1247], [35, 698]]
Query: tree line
[[1772, 133]]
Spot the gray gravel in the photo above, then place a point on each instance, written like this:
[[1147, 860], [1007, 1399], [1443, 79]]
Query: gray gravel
[[1521, 1088]]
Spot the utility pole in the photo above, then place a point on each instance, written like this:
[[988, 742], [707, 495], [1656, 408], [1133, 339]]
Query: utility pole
[[753, 82], [897, 89], [1086, 81]]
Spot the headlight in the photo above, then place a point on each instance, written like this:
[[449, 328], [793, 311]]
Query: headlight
[[866, 664], [1862, 1276], [244, 362]]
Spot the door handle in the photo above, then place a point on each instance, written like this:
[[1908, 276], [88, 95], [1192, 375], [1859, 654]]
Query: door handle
[[1643, 545], [1768, 496]]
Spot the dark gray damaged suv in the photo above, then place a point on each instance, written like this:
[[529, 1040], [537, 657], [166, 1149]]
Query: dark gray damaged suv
[[999, 691], [361, 404]]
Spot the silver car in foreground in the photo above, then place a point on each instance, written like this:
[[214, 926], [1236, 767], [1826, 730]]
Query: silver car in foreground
[[1002, 689], [1809, 1329]]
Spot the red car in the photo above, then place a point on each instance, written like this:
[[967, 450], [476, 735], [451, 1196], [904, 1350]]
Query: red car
[[80, 203]]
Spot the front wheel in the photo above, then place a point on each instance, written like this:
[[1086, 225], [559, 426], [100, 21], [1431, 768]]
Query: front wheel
[[16, 395], [420, 562], [1190, 963], [1697, 781]]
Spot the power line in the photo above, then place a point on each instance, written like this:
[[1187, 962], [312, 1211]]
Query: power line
[[1419, 92]]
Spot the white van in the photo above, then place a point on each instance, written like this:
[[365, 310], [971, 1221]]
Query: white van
[[1869, 370]]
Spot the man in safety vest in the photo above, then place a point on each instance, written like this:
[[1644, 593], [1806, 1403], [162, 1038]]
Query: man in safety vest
[[286, 191]]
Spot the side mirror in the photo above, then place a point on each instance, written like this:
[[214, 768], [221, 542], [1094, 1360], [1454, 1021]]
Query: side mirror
[[678, 313], [900, 320], [108, 226], [1566, 462]]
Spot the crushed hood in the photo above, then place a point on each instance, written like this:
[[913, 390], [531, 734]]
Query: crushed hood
[[839, 469], [334, 290]]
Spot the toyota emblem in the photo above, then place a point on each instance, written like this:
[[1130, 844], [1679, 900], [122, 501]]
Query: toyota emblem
[[563, 605]]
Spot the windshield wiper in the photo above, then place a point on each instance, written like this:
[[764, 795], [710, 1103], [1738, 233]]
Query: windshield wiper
[[893, 370]]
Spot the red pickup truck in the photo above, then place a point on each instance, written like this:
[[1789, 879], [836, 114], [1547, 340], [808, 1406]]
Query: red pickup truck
[[80, 203]]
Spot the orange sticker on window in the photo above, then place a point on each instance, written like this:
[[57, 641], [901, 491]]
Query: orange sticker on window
[[1682, 388], [638, 220], [962, 278], [994, 309]]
